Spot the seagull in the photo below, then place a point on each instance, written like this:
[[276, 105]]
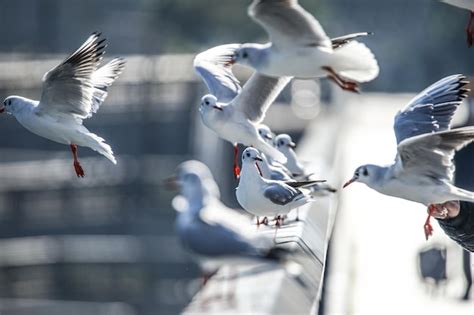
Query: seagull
[[299, 47], [72, 91], [285, 145], [468, 5], [212, 233], [423, 168], [231, 111], [265, 197], [271, 169]]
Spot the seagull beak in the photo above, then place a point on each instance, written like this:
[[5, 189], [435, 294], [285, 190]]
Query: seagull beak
[[257, 158], [292, 145], [2, 109], [171, 183], [217, 107], [353, 179], [268, 137]]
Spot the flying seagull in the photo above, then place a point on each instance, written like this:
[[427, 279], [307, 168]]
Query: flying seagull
[[72, 91], [231, 111], [299, 47], [423, 168]]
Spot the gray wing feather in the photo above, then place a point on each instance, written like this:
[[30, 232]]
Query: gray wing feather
[[258, 94], [432, 109], [432, 154], [68, 88], [214, 66], [288, 24], [281, 194]]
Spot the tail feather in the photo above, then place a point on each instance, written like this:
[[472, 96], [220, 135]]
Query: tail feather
[[98, 144], [356, 62]]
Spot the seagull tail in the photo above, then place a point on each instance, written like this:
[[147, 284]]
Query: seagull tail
[[355, 62], [98, 144]]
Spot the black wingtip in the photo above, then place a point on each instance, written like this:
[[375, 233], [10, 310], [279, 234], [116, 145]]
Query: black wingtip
[[277, 253]]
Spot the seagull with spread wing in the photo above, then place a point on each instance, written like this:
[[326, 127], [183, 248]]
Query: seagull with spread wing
[[468, 5], [423, 168], [231, 111], [72, 91], [299, 47]]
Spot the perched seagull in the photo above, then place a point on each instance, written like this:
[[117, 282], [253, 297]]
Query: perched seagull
[[212, 233], [271, 169], [231, 111], [468, 5], [423, 168], [285, 144], [72, 91], [299, 47], [265, 197]]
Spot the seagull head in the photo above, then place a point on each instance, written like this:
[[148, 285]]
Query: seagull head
[[248, 54], [12, 104], [284, 142], [209, 101], [366, 174], [266, 134], [251, 155]]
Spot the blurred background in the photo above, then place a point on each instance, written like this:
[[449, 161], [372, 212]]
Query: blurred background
[[105, 244]]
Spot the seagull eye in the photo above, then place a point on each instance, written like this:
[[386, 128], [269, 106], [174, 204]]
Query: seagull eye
[[9, 102], [365, 172], [207, 102], [248, 154], [245, 55]]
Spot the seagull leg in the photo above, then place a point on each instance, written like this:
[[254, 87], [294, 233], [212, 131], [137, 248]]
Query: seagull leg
[[77, 165], [427, 227], [470, 29], [342, 83], [236, 161]]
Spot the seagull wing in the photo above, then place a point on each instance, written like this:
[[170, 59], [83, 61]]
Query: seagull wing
[[431, 154], [281, 194], [68, 89], [214, 66], [340, 41], [463, 4], [288, 24], [258, 94], [432, 109]]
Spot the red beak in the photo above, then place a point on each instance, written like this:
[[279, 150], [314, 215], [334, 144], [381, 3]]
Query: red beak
[[2, 109], [292, 145], [349, 182]]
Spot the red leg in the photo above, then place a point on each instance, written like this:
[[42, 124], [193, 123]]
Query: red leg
[[236, 161], [427, 227], [77, 165], [470, 29], [342, 83]]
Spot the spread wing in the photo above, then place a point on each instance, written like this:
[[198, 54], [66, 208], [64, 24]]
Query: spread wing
[[69, 87], [258, 94], [431, 154], [288, 24], [214, 66], [432, 109], [281, 194]]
